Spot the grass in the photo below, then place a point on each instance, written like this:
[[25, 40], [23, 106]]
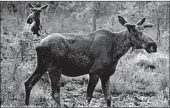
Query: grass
[[131, 77]]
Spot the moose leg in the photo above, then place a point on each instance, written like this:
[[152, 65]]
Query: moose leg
[[55, 84], [106, 89], [93, 79], [35, 77]]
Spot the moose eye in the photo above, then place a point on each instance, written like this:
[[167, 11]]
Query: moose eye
[[134, 30], [138, 34]]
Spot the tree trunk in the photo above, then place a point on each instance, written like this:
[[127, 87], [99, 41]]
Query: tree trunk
[[166, 16], [48, 11], [26, 11], [168, 21], [1, 10], [62, 23], [12, 12], [158, 30], [55, 12], [139, 7], [94, 23], [18, 15], [62, 19], [158, 25], [94, 16]]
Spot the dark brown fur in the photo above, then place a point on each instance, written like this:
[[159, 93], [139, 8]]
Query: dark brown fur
[[34, 17], [96, 54]]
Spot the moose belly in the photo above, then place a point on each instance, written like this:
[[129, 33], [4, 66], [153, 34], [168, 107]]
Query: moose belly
[[76, 64]]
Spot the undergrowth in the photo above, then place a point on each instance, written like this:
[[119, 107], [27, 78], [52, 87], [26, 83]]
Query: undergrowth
[[136, 73]]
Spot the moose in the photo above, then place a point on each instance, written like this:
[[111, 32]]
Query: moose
[[34, 18], [96, 54]]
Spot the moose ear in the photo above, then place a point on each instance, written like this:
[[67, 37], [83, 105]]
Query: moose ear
[[141, 21], [122, 21], [44, 7], [30, 5], [148, 25]]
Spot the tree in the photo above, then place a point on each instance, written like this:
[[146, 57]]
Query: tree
[[94, 16], [158, 25], [65, 6], [167, 5], [18, 15]]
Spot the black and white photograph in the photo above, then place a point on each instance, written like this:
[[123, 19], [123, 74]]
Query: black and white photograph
[[85, 54]]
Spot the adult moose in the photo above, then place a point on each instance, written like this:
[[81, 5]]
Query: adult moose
[[96, 54], [34, 18]]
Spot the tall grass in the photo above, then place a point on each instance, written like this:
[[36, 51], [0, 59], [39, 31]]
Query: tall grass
[[130, 75]]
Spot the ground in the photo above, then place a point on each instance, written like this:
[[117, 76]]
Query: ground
[[133, 85]]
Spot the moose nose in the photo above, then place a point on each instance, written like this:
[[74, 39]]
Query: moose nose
[[153, 47], [29, 20]]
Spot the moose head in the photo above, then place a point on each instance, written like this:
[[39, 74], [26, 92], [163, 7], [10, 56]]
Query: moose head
[[139, 39], [34, 18]]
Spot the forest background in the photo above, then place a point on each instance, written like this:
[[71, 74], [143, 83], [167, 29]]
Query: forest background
[[141, 79]]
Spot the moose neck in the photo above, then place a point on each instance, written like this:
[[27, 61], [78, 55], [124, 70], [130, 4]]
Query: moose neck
[[37, 22], [122, 43], [123, 38]]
